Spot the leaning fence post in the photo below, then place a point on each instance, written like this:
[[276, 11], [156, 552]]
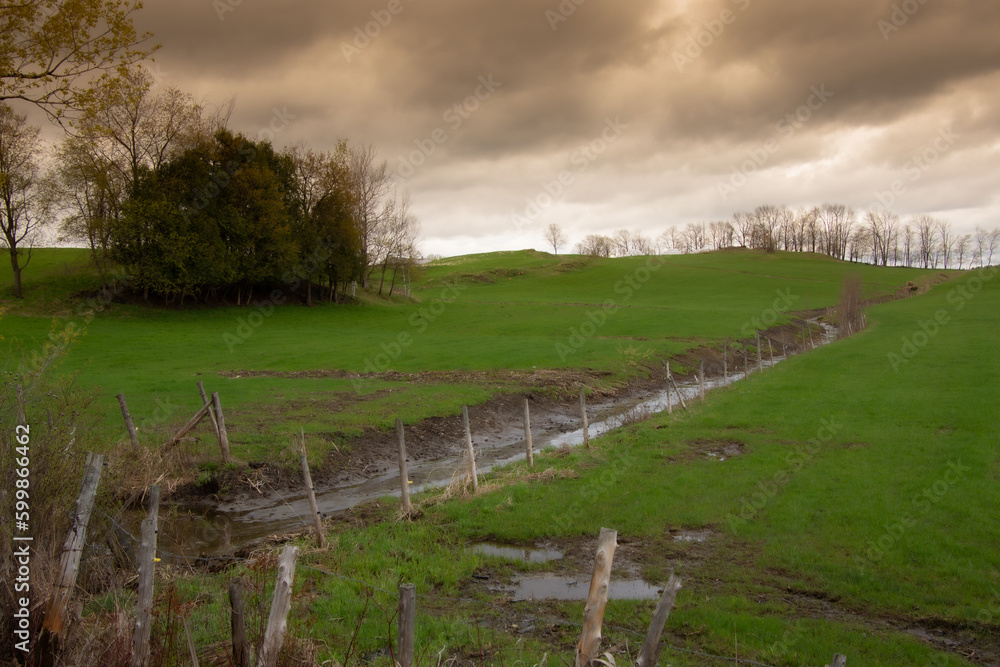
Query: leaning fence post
[[404, 482], [812, 343], [527, 434], [144, 602], [406, 624], [470, 448], [241, 652], [128, 420], [650, 652], [597, 598], [223, 436], [47, 645], [277, 622], [583, 414], [311, 493], [211, 411]]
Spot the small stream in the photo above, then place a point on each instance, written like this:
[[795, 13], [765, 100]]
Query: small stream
[[215, 530]]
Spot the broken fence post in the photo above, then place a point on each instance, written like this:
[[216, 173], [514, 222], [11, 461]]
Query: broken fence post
[[187, 428], [48, 644], [241, 652], [650, 652], [205, 400], [281, 603], [404, 483], [597, 599]]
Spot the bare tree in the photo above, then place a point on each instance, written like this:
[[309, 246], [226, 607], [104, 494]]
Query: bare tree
[[743, 223], [962, 245], [837, 222], [883, 228], [555, 237], [397, 240], [370, 179], [925, 225], [946, 241], [20, 189], [595, 245]]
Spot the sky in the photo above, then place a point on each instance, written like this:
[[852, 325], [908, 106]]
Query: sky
[[501, 117]]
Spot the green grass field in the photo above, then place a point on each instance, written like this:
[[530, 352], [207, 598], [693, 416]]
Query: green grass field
[[859, 518]]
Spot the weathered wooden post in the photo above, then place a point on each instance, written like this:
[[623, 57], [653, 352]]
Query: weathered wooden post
[[223, 436], [597, 599], [281, 603], [770, 349], [311, 493], [746, 367], [190, 643], [812, 343], [680, 396], [188, 427], [583, 413], [725, 362], [670, 405], [758, 350], [650, 652], [48, 644], [144, 602], [527, 434], [838, 661], [404, 488], [701, 378], [470, 449], [211, 412], [406, 624], [237, 622], [128, 420]]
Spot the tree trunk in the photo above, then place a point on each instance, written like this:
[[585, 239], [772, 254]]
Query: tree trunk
[[16, 268]]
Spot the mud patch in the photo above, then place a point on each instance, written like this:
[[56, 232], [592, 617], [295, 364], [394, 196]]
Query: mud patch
[[555, 587], [717, 449]]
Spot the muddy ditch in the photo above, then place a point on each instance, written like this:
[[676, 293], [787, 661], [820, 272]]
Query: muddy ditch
[[273, 502]]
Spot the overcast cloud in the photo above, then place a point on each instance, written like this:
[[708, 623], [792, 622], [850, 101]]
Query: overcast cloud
[[655, 112]]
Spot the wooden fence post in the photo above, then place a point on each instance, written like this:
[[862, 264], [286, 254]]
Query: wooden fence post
[[128, 420], [758, 350], [223, 436], [680, 396], [838, 661], [241, 652], [404, 483], [746, 367], [650, 652], [583, 414], [527, 435], [144, 602], [190, 643], [281, 603], [701, 378], [725, 362], [313, 507], [770, 349], [47, 646], [211, 412], [470, 449], [812, 343], [670, 405], [406, 624], [597, 599]]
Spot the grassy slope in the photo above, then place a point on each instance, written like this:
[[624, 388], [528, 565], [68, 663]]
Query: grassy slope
[[513, 311]]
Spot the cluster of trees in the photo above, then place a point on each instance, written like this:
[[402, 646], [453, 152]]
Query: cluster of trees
[[161, 188], [877, 236]]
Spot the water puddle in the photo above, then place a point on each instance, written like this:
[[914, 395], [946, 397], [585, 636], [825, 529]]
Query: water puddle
[[555, 587], [521, 554], [693, 536]]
